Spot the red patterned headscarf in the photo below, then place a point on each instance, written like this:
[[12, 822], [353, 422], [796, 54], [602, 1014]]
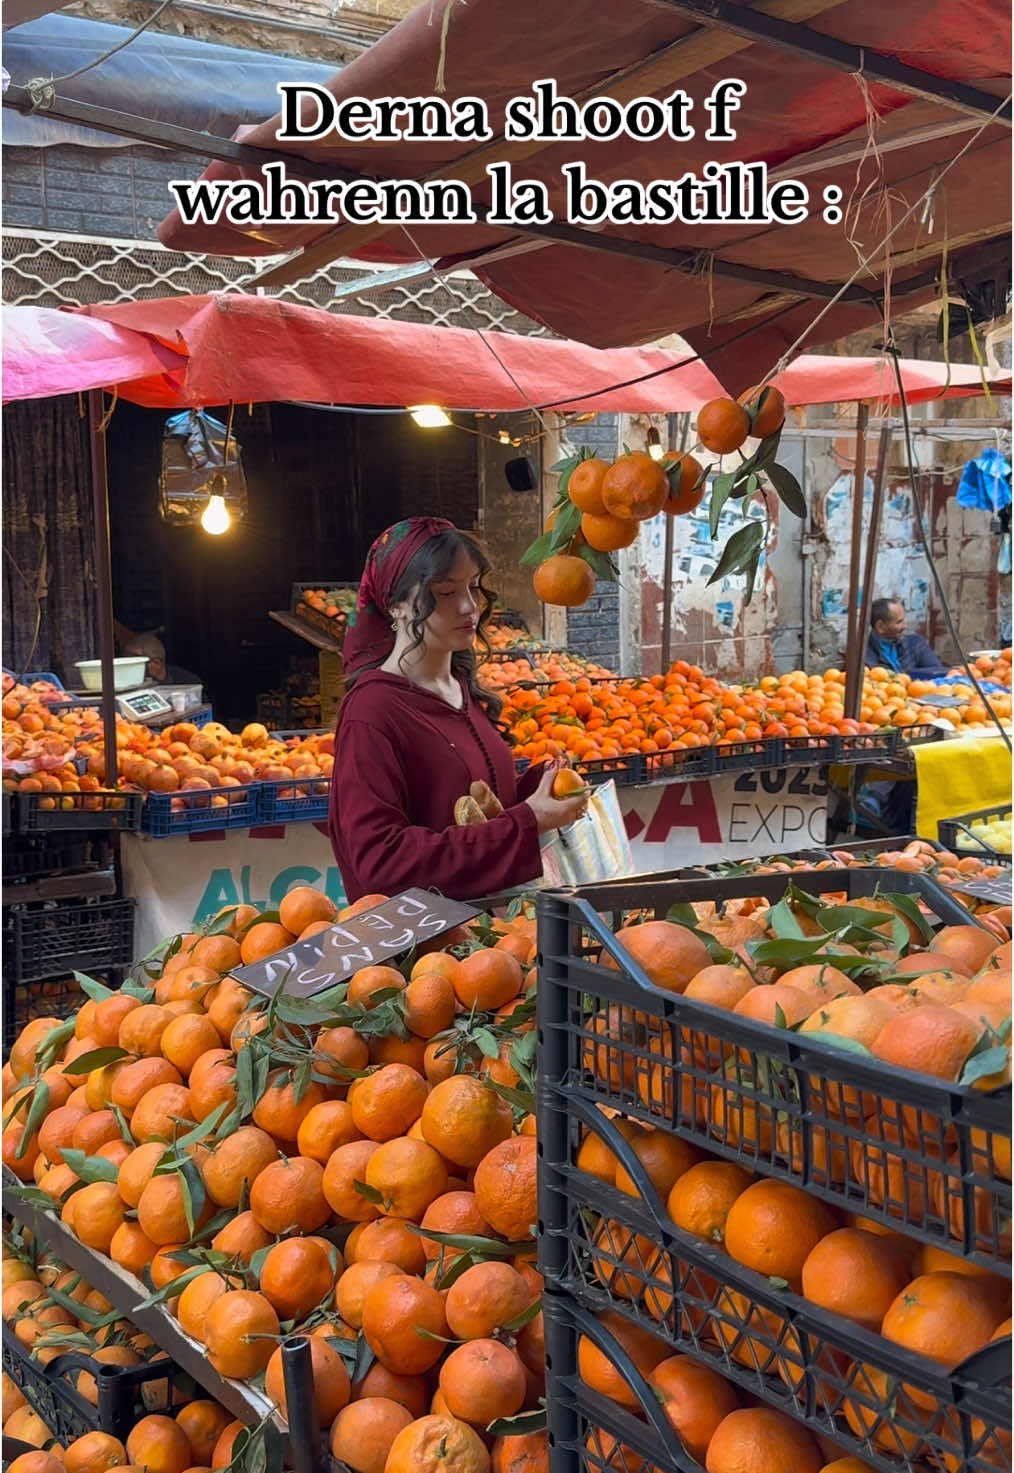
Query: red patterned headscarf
[[369, 638]]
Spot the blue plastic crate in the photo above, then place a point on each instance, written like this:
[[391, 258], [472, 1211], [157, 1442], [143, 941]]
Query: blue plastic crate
[[43, 675], [166, 814], [305, 802]]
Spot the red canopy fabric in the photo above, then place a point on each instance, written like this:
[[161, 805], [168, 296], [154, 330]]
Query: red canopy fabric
[[253, 349], [46, 352], [175, 352], [818, 378], [794, 112]]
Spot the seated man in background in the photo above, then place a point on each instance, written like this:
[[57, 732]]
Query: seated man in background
[[158, 672], [890, 647]]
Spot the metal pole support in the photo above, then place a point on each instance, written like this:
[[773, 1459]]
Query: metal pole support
[[103, 578], [301, 1405], [855, 644]]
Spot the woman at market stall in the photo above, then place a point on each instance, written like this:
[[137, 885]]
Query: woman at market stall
[[416, 730]]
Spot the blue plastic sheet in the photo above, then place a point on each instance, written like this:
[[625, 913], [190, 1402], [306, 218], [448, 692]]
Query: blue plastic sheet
[[985, 482]]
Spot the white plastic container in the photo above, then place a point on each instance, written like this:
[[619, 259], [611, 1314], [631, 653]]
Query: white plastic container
[[128, 672]]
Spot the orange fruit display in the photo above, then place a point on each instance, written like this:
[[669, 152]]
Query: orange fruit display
[[773, 1226], [722, 426], [608, 533], [463, 1120], [585, 485], [435, 1443], [687, 491], [393, 1311], [634, 487], [756, 1438], [768, 408], [565, 580], [236, 1331]]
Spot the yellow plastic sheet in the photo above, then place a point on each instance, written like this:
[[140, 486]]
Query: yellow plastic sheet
[[958, 777]]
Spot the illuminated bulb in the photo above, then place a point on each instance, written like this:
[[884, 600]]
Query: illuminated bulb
[[429, 416], [655, 445], [215, 517], [504, 437]]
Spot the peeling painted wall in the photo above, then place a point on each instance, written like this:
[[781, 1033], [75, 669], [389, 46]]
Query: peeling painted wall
[[963, 546], [711, 626]]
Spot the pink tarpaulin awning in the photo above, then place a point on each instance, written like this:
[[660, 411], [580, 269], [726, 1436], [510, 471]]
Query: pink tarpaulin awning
[[252, 349], [743, 292], [821, 378], [213, 349], [46, 352]]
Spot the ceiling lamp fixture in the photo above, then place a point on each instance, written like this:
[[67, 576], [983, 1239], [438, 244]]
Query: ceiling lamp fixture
[[215, 517], [429, 416]]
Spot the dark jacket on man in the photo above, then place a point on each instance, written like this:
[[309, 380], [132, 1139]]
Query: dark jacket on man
[[910, 654]]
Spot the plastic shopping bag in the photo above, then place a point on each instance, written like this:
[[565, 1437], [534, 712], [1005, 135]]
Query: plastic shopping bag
[[596, 847]]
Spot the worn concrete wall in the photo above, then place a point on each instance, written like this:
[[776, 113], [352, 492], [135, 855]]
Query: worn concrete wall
[[963, 545], [509, 520], [711, 626], [594, 629]]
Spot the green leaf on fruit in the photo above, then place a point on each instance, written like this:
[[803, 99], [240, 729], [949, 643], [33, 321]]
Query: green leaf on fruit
[[739, 551]]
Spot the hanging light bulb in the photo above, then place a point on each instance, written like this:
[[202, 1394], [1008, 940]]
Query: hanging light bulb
[[215, 517], [429, 416], [655, 444]]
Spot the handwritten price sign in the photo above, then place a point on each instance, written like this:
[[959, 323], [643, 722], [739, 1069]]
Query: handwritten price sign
[[374, 936]]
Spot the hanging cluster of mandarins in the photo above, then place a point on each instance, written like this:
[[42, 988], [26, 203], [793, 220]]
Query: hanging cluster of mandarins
[[600, 507]]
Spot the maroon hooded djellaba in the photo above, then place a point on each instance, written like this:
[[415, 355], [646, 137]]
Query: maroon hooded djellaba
[[403, 757]]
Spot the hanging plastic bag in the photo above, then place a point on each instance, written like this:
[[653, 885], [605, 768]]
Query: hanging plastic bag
[[595, 847], [196, 464]]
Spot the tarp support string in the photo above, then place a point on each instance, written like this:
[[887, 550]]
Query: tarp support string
[[440, 84], [103, 423], [864, 264]]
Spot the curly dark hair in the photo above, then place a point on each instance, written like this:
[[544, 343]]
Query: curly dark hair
[[431, 564]]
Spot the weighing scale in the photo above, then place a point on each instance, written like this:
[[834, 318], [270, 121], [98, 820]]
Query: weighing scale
[[142, 705]]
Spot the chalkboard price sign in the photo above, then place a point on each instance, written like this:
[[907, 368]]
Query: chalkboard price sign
[[393, 927]]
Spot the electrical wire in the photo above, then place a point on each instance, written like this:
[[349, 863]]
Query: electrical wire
[[33, 590], [41, 88], [891, 349]]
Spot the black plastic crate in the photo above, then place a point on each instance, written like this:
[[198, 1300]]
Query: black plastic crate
[[105, 809], [506, 657], [625, 771], [36, 855], [781, 1103], [273, 710], [681, 764], [808, 751], [124, 1394], [815, 1383], [57, 997], [868, 746], [7, 800], [53, 938], [756, 756], [584, 1427], [919, 733], [511, 618], [957, 834]]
